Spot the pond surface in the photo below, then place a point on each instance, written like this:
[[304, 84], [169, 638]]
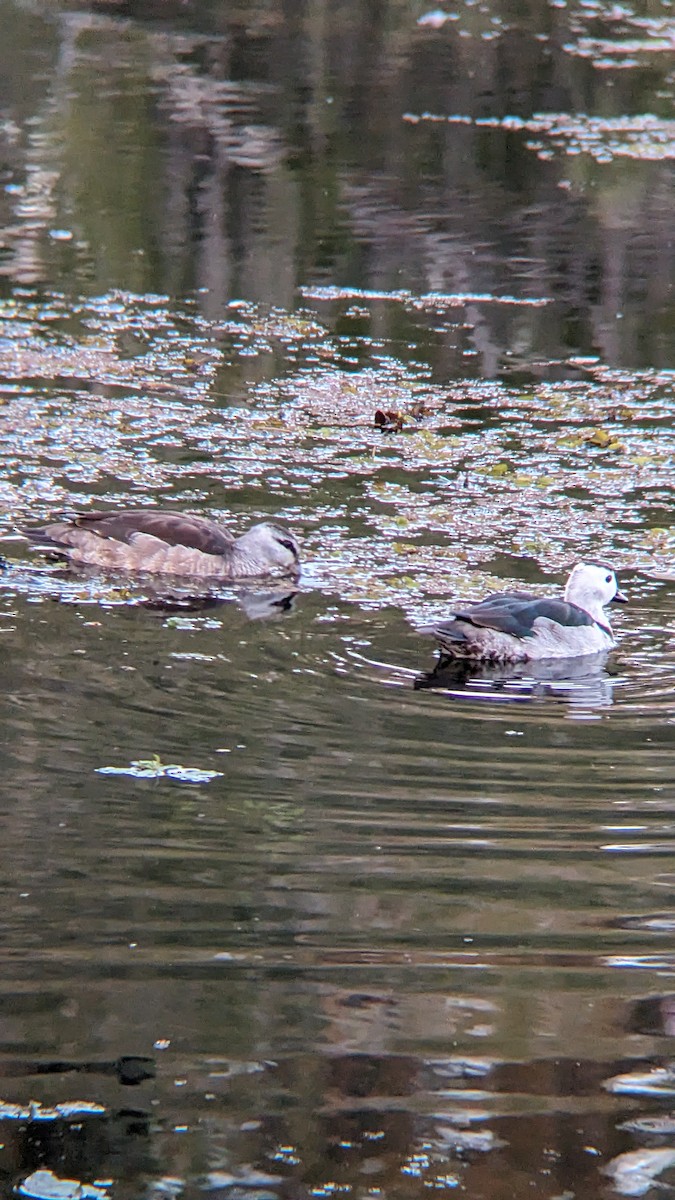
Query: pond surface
[[286, 911]]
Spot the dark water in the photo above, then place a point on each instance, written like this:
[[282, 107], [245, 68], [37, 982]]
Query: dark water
[[285, 912]]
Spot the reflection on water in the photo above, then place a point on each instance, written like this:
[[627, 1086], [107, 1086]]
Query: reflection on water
[[159, 594], [247, 152], [388, 934], [582, 682], [281, 915]]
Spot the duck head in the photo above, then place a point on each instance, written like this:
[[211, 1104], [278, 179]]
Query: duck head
[[269, 547], [593, 585]]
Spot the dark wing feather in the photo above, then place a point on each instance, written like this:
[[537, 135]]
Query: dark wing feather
[[507, 613], [174, 528], [508, 596]]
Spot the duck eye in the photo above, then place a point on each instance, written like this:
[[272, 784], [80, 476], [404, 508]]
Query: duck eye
[[289, 545], [608, 578]]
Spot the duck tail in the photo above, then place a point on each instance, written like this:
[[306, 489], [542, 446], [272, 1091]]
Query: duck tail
[[446, 633], [42, 540]]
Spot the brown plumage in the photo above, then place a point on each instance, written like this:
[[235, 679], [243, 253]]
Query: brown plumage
[[159, 541]]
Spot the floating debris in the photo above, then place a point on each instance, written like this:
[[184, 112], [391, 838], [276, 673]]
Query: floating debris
[[45, 1185], [70, 1110], [458, 1140], [604, 439], [390, 421], [657, 1124], [154, 768], [660, 1081], [634, 1172], [247, 1177]]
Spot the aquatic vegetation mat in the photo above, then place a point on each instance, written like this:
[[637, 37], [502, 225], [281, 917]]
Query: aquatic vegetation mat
[[403, 490]]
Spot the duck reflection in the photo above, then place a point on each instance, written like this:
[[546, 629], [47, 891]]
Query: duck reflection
[[582, 682], [653, 1016], [157, 594], [129, 1070], [256, 605]]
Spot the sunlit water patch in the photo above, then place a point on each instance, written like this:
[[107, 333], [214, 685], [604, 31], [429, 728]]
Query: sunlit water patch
[[619, 37], [646, 138]]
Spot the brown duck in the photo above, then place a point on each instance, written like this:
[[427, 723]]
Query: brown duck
[[161, 542]]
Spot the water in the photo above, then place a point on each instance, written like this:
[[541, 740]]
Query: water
[[287, 912]]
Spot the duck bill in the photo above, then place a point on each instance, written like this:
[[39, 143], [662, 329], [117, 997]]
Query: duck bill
[[619, 598]]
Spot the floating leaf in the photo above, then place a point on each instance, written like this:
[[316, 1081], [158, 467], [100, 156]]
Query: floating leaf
[[603, 439], [267, 423], [657, 538], [423, 441]]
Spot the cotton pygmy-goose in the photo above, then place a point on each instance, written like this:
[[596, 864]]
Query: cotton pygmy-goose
[[162, 542], [512, 627]]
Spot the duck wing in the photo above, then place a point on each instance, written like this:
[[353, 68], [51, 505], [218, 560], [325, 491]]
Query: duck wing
[[515, 613], [173, 528]]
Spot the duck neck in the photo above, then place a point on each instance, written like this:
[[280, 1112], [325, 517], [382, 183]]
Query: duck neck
[[244, 561], [593, 607]]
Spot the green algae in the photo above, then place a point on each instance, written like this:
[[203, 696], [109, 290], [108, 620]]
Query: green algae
[[481, 470]]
